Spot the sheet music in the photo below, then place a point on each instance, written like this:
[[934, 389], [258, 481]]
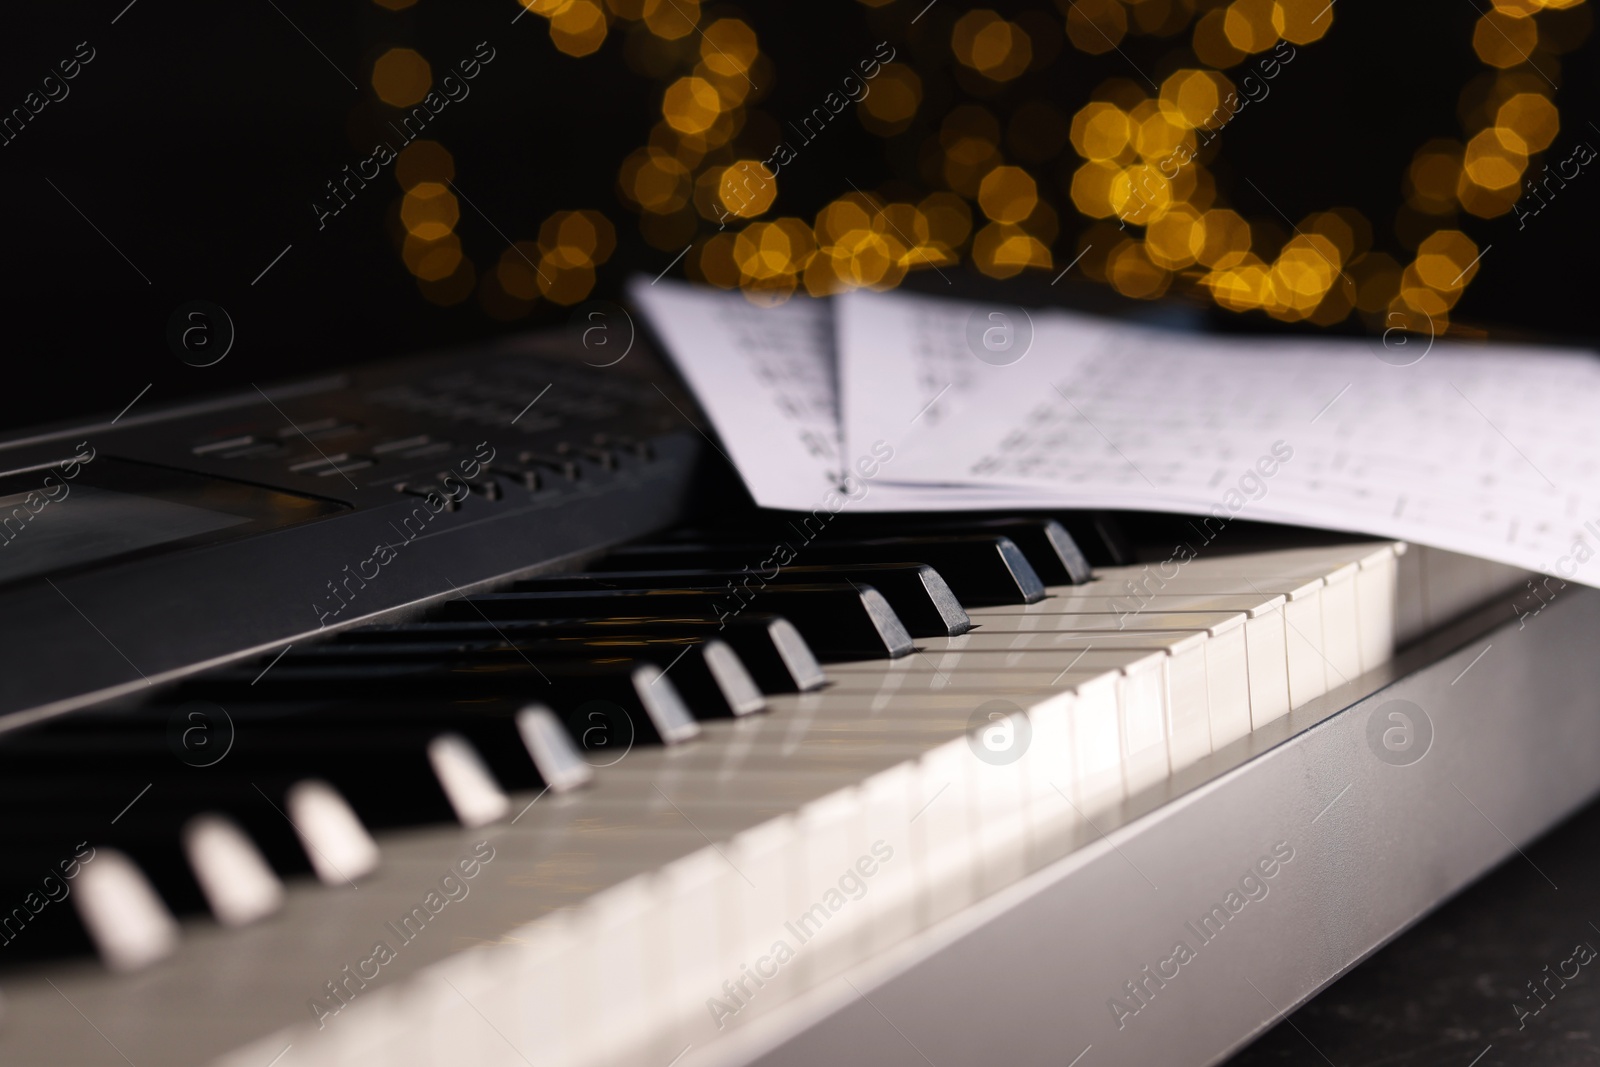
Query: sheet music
[[1485, 450], [766, 379]]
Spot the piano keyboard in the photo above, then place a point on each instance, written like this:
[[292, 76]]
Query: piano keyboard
[[629, 815]]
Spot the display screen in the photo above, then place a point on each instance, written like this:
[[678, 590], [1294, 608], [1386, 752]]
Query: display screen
[[114, 509]]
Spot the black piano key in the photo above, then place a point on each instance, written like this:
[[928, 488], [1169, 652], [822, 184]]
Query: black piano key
[[707, 672], [1102, 537], [979, 569], [773, 651], [384, 774], [37, 881], [1049, 548], [637, 694], [919, 596], [838, 621]]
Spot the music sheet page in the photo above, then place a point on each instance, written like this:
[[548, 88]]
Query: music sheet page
[[765, 378], [1486, 450]]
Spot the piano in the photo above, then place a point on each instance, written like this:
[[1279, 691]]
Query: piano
[[460, 709]]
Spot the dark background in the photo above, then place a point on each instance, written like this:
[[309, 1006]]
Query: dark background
[[199, 136]]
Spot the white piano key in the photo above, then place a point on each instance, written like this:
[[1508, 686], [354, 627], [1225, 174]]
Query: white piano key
[[338, 846], [738, 688], [857, 764], [1376, 589], [1267, 655], [997, 747], [550, 1021], [955, 663], [829, 831], [1142, 700], [474, 795], [1188, 706], [1308, 668], [1001, 619], [1054, 820], [944, 831], [551, 748], [620, 966], [239, 885], [130, 926], [662, 703], [1129, 608], [697, 936], [769, 860], [1097, 746], [1228, 684], [887, 808], [1341, 626]]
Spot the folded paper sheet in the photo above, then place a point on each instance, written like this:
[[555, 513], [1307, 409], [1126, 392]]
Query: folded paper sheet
[[1487, 450]]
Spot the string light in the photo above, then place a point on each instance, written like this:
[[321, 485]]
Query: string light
[[1144, 210]]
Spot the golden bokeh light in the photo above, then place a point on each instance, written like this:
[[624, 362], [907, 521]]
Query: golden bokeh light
[[892, 100], [1433, 176], [988, 44], [1301, 21], [1003, 251], [1176, 239], [1227, 239], [1491, 164], [1447, 260], [655, 181], [746, 188], [1101, 131], [579, 29], [1140, 194], [1008, 194], [431, 261], [1132, 273], [1095, 26], [1091, 188], [715, 263], [401, 77], [576, 239], [518, 271], [1211, 44], [672, 19], [564, 285], [691, 105], [1194, 97], [547, 8], [1245, 286], [1504, 41], [429, 211], [728, 48], [1158, 132], [949, 220], [1527, 123], [424, 161], [1248, 25]]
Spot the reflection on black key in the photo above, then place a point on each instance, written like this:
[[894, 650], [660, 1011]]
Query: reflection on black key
[[1049, 548], [769, 646], [917, 593], [838, 621], [706, 672], [979, 569], [1101, 536], [640, 692]]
